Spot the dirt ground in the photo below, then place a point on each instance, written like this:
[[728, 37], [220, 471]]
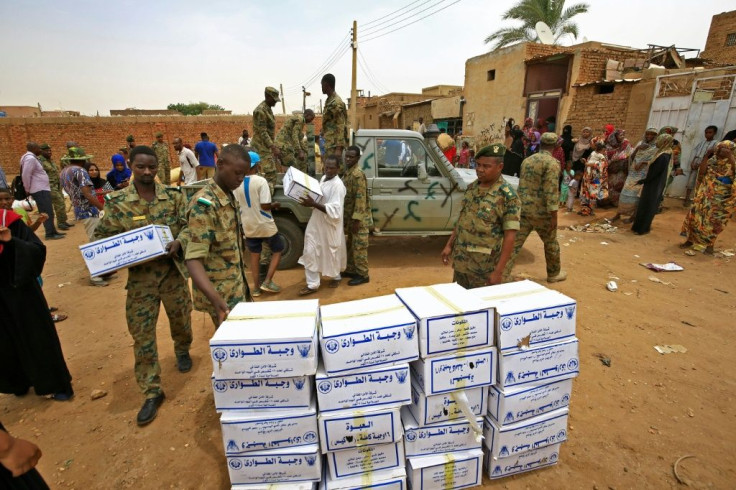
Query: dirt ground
[[628, 422]]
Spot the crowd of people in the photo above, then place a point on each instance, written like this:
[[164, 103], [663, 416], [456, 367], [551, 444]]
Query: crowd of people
[[232, 210]]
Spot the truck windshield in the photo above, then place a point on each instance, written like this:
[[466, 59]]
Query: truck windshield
[[449, 168]]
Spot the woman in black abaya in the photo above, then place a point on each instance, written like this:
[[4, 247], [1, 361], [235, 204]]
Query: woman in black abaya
[[653, 185], [30, 352]]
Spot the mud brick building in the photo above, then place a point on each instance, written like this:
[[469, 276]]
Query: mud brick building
[[720, 47]]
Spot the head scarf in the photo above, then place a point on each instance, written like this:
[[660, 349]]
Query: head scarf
[[671, 130], [582, 145], [609, 129], [528, 122], [664, 146], [727, 144], [118, 176], [612, 139], [7, 218], [97, 182]]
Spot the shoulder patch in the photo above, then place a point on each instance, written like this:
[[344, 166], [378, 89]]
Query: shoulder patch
[[114, 195], [173, 189], [204, 202]]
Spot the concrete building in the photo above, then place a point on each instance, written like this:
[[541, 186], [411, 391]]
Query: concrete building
[[720, 47]]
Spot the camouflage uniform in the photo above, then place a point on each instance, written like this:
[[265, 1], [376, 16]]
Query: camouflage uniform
[[57, 195], [264, 129], [164, 163], [215, 237], [152, 283], [539, 195], [357, 207], [311, 160], [290, 141], [484, 217], [335, 123]]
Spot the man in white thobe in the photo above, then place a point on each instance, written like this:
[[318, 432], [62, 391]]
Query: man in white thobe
[[324, 241]]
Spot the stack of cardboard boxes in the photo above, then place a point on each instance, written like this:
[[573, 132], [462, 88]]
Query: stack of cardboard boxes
[[362, 382], [443, 424], [538, 357], [264, 360]]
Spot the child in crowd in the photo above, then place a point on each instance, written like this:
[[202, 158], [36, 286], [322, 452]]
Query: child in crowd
[[471, 163], [573, 187], [595, 184], [567, 175], [6, 202]]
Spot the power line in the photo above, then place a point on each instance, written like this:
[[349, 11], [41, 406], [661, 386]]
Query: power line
[[382, 26], [410, 23], [392, 13], [369, 74], [319, 72], [340, 45]]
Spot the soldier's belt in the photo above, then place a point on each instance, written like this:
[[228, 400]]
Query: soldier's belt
[[481, 250]]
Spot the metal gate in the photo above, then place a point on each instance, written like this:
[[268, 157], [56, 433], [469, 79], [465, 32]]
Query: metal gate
[[691, 102]]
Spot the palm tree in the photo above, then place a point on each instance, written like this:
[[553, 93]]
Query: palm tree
[[551, 12]]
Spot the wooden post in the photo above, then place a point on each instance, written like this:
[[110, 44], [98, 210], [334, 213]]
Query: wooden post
[[283, 103], [354, 87]]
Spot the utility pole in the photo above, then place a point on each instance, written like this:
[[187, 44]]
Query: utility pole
[[304, 99], [283, 103], [354, 87]]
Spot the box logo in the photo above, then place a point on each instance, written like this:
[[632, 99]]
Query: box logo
[[304, 349], [232, 446], [220, 386], [235, 464], [332, 346], [325, 387], [506, 324], [311, 459], [572, 364], [411, 436], [299, 383], [409, 331], [310, 436], [219, 354], [401, 376], [89, 254], [570, 311]]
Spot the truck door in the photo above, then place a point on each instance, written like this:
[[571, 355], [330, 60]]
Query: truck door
[[405, 197]]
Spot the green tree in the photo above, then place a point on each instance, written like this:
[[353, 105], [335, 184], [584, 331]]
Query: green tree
[[529, 12], [194, 108]]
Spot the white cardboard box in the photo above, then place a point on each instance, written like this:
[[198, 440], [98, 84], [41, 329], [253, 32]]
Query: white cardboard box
[[278, 486], [262, 394], [450, 318], [366, 333], [446, 471], [298, 185], [268, 339], [455, 370], [256, 432], [381, 388], [357, 460], [299, 464], [509, 440], [433, 409], [509, 405], [347, 429], [392, 479], [440, 438], [531, 318], [522, 462], [539, 365], [126, 249]]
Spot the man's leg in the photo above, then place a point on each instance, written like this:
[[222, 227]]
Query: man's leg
[[43, 201], [276, 244], [254, 272], [543, 226], [313, 278], [360, 251], [141, 311], [57, 200], [178, 305], [350, 267], [521, 237]]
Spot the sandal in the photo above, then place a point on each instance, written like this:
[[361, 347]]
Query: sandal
[[53, 309], [334, 283], [58, 317], [306, 290]]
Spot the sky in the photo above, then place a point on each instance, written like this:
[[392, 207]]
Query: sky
[[93, 56]]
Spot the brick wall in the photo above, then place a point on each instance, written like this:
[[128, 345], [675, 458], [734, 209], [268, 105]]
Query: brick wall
[[102, 136], [715, 46], [596, 110], [411, 114]]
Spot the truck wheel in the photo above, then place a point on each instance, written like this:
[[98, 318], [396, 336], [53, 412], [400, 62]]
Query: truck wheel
[[293, 237]]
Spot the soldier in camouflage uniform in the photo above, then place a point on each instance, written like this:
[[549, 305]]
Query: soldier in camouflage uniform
[[264, 132], [214, 254], [66, 158], [539, 193], [311, 154], [334, 118], [357, 218], [481, 244], [57, 195], [146, 202], [164, 162], [290, 140]]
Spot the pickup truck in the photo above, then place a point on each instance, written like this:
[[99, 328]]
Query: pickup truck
[[414, 192]]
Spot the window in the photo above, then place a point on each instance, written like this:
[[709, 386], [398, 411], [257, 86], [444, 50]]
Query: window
[[604, 89], [401, 159], [731, 39], [491, 75]]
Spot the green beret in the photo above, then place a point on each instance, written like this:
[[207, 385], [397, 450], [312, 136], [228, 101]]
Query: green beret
[[45, 146], [159, 134], [130, 138], [494, 150], [549, 139]]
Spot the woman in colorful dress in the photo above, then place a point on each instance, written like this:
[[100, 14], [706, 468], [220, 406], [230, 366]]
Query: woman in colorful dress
[[652, 187], [715, 201], [618, 150], [102, 186], [594, 181], [629, 198]]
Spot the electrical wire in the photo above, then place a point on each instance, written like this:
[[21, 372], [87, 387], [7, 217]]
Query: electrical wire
[[392, 13], [341, 45], [410, 23], [370, 75], [320, 72], [382, 27]]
